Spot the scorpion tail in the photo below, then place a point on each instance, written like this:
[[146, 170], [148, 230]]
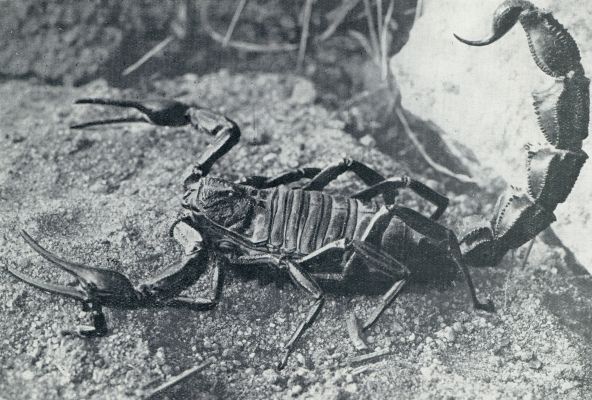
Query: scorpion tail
[[504, 18], [553, 166]]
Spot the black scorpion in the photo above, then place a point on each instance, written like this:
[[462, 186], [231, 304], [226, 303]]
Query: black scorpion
[[308, 233]]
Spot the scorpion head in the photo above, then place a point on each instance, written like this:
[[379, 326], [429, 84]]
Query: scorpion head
[[223, 202]]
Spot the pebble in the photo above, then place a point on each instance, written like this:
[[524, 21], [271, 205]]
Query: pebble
[[303, 92], [368, 141], [535, 364], [448, 334], [269, 157], [526, 355], [28, 375], [457, 327], [351, 388], [411, 338], [397, 327], [270, 375], [300, 358], [296, 390]]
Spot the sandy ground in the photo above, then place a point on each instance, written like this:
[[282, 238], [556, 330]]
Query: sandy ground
[[107, 197]]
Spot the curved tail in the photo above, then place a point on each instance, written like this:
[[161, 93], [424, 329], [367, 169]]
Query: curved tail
[[553, 166]]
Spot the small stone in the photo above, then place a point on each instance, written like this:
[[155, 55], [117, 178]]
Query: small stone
[[250, 371], [526, 355], [351, 388], [457, 327], [497, 361], [303, 92], [28, 375], [269, 157], [270, 375], [397, 327], [300, 358], [296, 390], [411, 338], [545, 348], [448, 334], [368, 141], [535, 364]]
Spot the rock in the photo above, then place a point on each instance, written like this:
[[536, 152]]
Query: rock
[[295, 390], [304, 92], [368, 141], [270, 375]]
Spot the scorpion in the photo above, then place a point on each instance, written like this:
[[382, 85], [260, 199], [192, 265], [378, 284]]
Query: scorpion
[[306, 232]]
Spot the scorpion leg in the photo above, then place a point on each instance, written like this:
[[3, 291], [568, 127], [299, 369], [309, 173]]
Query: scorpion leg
[[264, 182], [331, 172], [305, 282], [391, 185], [457, 258], [378, 184], [216, 284]]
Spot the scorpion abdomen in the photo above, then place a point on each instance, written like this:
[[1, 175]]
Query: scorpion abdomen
[[304, 221]]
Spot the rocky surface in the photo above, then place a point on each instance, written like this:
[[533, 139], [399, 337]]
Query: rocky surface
[[481, 96], [73, 42], [106, 197]]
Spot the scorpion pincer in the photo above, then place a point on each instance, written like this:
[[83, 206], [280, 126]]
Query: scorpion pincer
[[308, 233]]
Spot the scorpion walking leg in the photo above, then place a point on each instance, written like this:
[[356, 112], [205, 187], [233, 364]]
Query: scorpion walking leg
[[264, 182], [331, 172], [305, 282], [216, 284], [378, 184], [391, 185], [456, 256]]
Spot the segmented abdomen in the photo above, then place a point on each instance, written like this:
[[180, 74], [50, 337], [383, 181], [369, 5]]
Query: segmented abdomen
[[303, 221]]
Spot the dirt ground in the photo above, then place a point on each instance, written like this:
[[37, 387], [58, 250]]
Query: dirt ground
[[106, 197]]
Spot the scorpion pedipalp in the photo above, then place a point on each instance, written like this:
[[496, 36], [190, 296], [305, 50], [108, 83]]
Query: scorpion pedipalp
[[160, 112], [93, 284]]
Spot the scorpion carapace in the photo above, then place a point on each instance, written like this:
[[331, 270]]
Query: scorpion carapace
[[308, 233], [553, 167]]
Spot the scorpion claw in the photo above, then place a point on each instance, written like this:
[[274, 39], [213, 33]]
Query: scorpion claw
[[93, 284], [48, 287], [157, 112]]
